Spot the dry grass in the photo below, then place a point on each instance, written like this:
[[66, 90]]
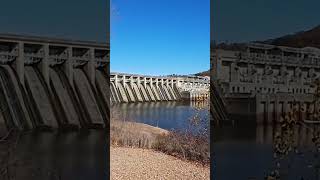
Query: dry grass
[[127, 133], [187, 144], [184, 145], [192, 143], [132, 134]]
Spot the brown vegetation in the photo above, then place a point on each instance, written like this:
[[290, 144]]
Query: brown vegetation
[[187, 144], [133, 134], [127, 133]]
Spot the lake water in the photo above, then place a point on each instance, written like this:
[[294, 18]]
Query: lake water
[[83, 155], [51, 155], [175, 115], [240, 151], [245, 151]]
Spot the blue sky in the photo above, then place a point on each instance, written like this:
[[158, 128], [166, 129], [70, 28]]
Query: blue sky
[[71, 19], [159, 37], [247, 20]]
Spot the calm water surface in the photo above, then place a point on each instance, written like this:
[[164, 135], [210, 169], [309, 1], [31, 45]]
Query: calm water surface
[[52, 155], [167, 115], [245, 151]]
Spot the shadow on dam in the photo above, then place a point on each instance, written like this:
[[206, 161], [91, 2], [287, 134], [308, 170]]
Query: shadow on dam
[[54, 109], [55, 131], [36, 105]]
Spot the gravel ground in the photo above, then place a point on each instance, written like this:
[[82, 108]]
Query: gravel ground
[[141, 164]]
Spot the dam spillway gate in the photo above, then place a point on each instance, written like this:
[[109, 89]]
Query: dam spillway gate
[[142, 88], [53, 83]]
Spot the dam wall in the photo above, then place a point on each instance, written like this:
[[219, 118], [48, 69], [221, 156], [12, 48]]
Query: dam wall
[[53, 83], [141, 88], [267, 81]]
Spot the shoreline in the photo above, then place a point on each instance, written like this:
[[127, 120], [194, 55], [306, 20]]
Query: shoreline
[[145, 127], [143, 136], [134, 134]]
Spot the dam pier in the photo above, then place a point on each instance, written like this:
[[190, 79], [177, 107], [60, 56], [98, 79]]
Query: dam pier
[[53, 83], [142, 88], [267, 81]]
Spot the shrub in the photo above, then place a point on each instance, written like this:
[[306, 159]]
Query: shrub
[[184, 145]]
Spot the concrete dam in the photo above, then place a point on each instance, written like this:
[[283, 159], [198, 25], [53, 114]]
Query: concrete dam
[[52, 83], [141, 88], [267, 81]]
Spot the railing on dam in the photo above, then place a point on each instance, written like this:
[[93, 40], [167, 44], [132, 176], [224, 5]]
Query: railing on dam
[[53, 83], [140, 88]]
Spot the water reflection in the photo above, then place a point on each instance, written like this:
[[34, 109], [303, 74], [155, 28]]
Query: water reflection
[[302, 134], [247, 150], [75, 155], [167, 115]]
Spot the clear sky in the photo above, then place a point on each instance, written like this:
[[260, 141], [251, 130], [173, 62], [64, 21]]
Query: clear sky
[[71, 19], [159, 37], [248, 20]]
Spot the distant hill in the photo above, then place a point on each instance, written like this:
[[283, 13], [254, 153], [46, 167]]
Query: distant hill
[[204, 73], [299, 40], [229, 46]]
